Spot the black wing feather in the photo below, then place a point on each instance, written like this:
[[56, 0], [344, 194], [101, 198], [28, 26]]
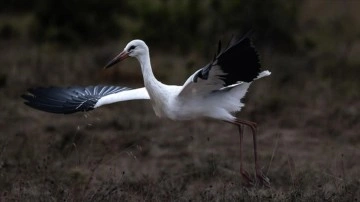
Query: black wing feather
[[239, 62], [68, 100]]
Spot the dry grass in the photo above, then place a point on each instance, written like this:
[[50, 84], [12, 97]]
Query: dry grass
[[308, 118], [308, 147]]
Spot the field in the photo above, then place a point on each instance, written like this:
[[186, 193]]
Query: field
[[308, 115]]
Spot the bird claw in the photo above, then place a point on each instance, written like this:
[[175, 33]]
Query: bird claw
[[247, 178], [263, 179]]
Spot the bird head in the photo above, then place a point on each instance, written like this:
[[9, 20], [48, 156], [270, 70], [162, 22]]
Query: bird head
[[134, 48]]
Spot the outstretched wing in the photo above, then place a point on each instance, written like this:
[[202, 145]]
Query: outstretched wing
[[239, 62], [76, 99]]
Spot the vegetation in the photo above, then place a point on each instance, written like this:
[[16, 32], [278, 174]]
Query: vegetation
[[308, 111], [75, 22]]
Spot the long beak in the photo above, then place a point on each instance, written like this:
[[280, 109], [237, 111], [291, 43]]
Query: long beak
[[123, 55]]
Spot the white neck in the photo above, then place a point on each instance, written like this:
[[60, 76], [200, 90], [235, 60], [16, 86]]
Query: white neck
[[150, 81], [156, 90]]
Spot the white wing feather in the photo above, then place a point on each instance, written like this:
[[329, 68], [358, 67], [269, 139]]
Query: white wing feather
[[135, 94]]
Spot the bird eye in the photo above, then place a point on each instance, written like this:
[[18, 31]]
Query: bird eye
[[131, 48]]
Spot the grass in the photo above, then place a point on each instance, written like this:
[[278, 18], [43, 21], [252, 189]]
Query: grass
[[308, 147], [309, 150], [205, 182], [307, 144], [307, 113]]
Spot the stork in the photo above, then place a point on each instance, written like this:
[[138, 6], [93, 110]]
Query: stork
[[213, 91]]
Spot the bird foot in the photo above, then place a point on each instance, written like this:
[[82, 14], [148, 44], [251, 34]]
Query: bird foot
[[248, 181], [263, 179]]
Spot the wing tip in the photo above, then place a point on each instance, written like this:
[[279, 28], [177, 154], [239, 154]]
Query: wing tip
[[67, 100]]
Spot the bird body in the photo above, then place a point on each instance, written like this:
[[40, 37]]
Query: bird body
[[167, 101]]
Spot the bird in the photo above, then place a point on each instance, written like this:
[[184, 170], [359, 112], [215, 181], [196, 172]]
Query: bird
[[213, 91]]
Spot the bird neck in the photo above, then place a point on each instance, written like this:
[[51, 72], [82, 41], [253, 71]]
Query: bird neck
[[149, 79]]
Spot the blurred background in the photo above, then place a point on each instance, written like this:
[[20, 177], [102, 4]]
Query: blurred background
[[308, 110]]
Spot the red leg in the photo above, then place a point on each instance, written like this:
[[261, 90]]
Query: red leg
[[259, 175], [244, 174]]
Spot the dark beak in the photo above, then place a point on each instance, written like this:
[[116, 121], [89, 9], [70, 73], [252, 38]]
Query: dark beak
[[122, 56]]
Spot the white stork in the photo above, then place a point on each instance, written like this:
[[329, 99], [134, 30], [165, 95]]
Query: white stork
[[213, 91]]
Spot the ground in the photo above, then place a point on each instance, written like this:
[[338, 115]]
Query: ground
[[308, 115], [307, 137]]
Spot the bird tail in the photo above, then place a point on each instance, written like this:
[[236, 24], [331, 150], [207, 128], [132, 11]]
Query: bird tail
[[263, 74]]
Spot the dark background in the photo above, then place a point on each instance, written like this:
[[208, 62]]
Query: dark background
[[308, 110]]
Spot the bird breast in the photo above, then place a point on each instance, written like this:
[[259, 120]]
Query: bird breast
[[158, 109]]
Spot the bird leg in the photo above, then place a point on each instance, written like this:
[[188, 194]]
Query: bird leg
[[259, 175], [243, 172]]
